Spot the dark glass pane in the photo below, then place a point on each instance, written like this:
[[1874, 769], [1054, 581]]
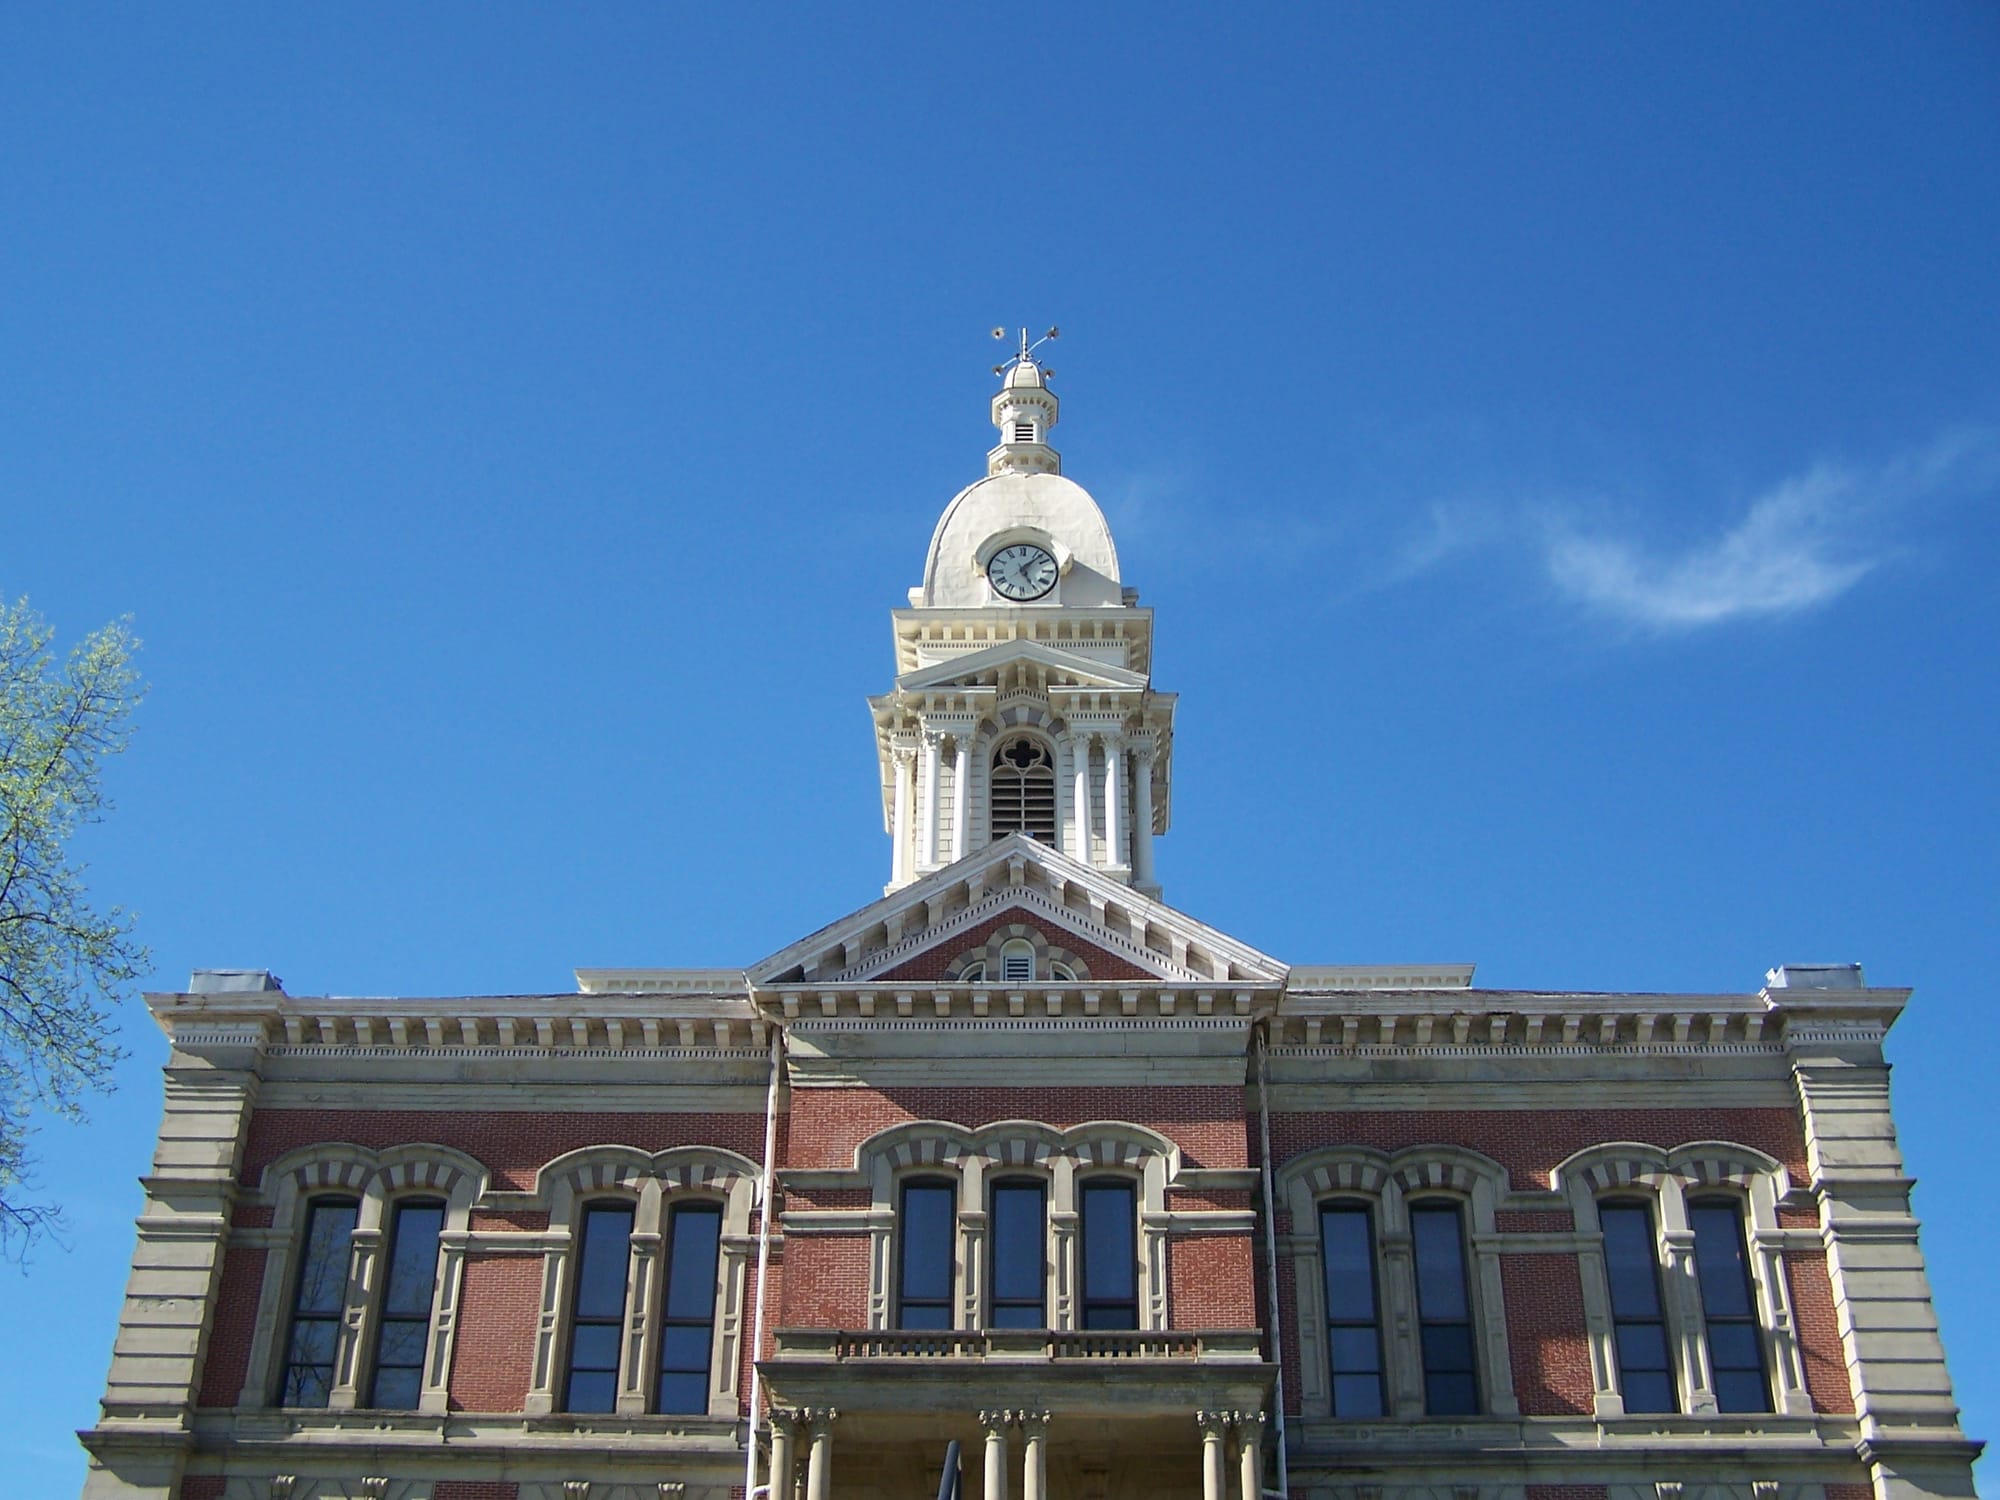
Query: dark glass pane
[[1451, 1395], [402, 1344], [601, 1268], [697, 1238], [1440, 1263], [1357, 1396], [323, 1263], [1110, 1244], [926, 1317], [684, 1347], [682, 1392], [1018, 1315], [926, 1228], [1719, 1261], [1733, 1346], [1355, 1350], [594, 1346], [307, 1385], [1642, 1346], [592, 1390], [413, 1260], [1447, 1348], [313, 1340], [1348, 1239], [1648, 1391], [398, 1390], [1019, 1240], [1111, 1315], [1630, 1260], [1741, 1390]]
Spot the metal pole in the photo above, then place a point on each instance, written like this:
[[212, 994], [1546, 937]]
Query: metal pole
[[763, 1261], [1271, 1265]]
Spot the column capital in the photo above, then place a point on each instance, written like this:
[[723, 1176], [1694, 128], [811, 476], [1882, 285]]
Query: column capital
[[934, 738], [819, 1419], [996, 1421], [1033, 1424], [1213, 1424], [1249, 1426], [902, 753], [791, 1418]]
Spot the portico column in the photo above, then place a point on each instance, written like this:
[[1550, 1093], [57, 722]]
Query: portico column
[[784, 1448], [1142, 813], [927, 801], [1034, 1455], [819, 1457], [961, 788], [906, 766], [995, 1423], [1250, 1454], [1214, 1425], [1114, 789], [1079, 749]]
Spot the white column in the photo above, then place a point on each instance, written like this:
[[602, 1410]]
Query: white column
[[1142, 813], [1114, 779], [1250, 1455], [819, 1456], [1079, 749], [927, 801], [961, 800], [1034, 1455], [1214, 1425], [784, 1436], [995, 1423], [906, 765]]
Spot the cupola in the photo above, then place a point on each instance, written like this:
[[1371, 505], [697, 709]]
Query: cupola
[[1024, 411]]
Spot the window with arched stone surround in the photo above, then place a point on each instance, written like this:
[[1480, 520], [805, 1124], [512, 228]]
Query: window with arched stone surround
[[651, 1360], [1625, 1175], [1020, 1151], [1019, 953], [1021, 789], [328, 1353], [1375, 1192]]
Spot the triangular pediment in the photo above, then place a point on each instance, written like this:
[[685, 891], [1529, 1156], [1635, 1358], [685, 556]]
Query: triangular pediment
[[1106, 931], [975, 668]]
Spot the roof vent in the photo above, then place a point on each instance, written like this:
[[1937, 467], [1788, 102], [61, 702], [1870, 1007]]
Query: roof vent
[[1815, 977], [235, 981]]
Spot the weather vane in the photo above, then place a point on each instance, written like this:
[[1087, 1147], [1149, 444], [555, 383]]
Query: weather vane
[[1027, 349]]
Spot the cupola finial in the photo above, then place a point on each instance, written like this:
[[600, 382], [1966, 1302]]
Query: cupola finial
[[1024, 411]]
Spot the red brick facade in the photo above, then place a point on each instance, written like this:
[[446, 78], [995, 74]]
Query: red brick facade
[[1818, 1332], [1212, 1282], [1546, 1340], [940, 961], [493, 1364], [232, 1328]]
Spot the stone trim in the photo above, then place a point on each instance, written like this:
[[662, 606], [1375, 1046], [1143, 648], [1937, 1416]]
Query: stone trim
[[378, 1179], [1388, 1182], [654, 1183], [1666, 1179]]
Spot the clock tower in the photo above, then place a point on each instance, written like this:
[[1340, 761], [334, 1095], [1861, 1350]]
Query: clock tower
[[1023, 700]]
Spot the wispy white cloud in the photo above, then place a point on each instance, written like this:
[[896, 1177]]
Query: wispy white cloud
[[1801, 544]]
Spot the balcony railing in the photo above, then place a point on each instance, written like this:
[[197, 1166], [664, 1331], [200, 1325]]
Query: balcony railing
[[1227, 1345]]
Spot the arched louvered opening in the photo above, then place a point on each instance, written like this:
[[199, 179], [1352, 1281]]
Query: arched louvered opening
[[1023, 790]]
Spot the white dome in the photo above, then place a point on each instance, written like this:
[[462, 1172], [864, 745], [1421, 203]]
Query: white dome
[[1024, 374], [1057, 508]]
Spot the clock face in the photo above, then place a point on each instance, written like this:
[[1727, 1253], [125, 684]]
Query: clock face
[[1021, 570]]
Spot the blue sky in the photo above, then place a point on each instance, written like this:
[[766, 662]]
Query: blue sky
[[1561, 444]]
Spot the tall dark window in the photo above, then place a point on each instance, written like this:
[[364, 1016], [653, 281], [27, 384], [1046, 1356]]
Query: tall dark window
[[1728, 1306], [597, 1322], [1110, 1228], [1639, 1327], [1018, 1252], [687, 1327], [1444, 1311], [318, 1301], [1353, 1319], [927, 1228], [405, 1329], [1023, 790]]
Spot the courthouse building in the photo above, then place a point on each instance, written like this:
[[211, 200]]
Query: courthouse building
[[1023, 1156]]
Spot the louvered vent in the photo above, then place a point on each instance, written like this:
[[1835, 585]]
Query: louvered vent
[[1024, 791]]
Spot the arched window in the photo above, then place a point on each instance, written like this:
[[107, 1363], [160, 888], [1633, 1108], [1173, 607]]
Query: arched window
[[1109, 1220], [1353, 1312], [1017, 962], [1023, 790], [928, 1226], [1728, 1305], [318, 1301], [403, 1330], [597, 1317], [1018, 1258], [1444, 1309]]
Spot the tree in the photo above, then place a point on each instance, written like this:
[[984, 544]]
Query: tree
[[63, 965]]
